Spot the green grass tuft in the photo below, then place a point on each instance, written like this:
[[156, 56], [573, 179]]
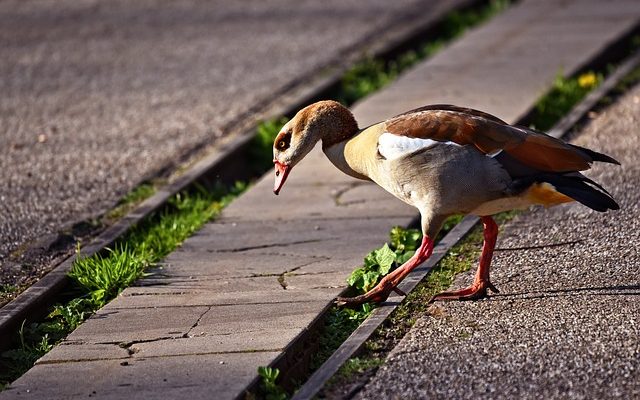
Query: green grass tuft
[[270, 389], [131, 199], [338, 325], [105, 276], [564, 95]]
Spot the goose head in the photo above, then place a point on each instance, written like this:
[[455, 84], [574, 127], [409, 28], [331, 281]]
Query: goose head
[[327, 120]]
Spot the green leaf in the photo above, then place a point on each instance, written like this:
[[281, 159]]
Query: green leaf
[[385, 258], [269, 374], [369, 280], [356, 278], [370, 260], [404, 257], [396, 235], [404, 239]]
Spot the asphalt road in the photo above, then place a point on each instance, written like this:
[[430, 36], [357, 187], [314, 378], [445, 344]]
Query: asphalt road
[[97, 96], [566, 323]]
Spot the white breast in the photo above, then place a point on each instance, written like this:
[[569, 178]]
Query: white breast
[[392, 146]]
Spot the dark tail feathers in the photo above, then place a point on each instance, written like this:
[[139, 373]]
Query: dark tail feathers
[[595, 156], [582, 189]]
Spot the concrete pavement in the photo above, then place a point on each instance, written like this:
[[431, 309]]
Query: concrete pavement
[[566, 323], [236, 294]]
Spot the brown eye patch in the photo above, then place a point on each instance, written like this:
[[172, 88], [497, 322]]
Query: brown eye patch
[[283, 141]]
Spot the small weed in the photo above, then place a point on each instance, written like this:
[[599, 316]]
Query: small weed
[[338, 325], [7, 289], [130, 200], [7, 292], [380, 262], [358, 365], [33, 343], [271, 390], [565, 93], [67, 317]]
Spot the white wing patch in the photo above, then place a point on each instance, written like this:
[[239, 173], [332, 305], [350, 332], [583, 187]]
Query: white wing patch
[[392, 146]]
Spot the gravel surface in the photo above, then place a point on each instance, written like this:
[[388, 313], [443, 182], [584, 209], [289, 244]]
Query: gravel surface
[[567, 322], [98, 96]]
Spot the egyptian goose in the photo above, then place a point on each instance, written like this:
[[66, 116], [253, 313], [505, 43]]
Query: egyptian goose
[[445, 160]]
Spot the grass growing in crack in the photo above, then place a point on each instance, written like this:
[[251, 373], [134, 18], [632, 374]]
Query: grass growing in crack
[[130, 200], [101, 277], [565, 93], [271, 390], [338, 325], [104, 276], [357, 365]]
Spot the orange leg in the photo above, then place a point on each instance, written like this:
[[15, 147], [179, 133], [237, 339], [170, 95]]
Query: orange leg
[[388, 284], [481, 283]]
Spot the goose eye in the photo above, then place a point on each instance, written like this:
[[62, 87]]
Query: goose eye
[[284, 141]]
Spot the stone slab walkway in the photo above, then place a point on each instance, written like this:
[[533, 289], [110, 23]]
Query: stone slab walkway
[[566, 323], [236, 294]]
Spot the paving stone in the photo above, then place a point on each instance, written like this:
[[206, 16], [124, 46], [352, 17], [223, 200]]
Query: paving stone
[[202, 343], [204, 263], [193, 377], [127, 325], [300, 200], [148, 297], [73, 351], [253, 318]]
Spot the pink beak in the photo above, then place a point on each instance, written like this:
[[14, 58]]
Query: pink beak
[[282, 171]]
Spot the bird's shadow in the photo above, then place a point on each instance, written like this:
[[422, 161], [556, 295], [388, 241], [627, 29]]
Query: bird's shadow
[[618, 290]]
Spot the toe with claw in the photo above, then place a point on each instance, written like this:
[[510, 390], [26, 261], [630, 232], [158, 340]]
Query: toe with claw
[[378, 294], [477, 290]]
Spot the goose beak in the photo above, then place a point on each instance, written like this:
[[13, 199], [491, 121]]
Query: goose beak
[[282, 171]]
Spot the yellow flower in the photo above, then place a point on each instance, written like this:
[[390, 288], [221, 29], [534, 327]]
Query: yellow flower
[[587, 80]]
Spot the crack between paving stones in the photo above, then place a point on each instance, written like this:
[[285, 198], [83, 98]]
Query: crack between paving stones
[[211, 305], [275, 253], [215, 278], [206, 353], [186, 335], [337, 195], [314, 219], [128, 344], [266, 246], [282, 277]]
